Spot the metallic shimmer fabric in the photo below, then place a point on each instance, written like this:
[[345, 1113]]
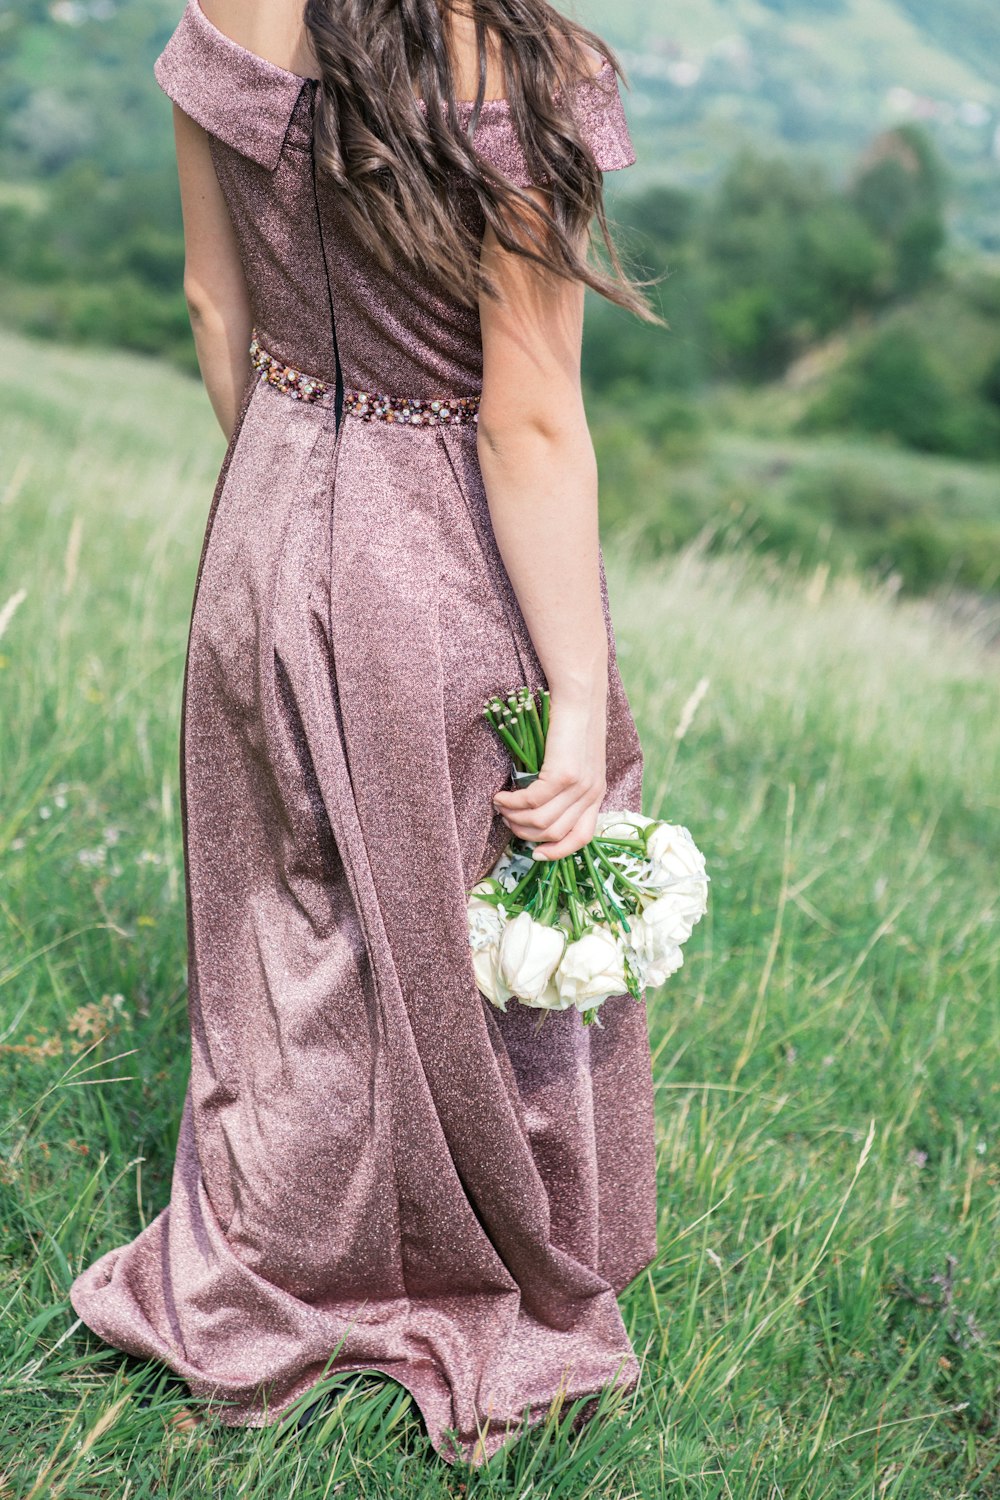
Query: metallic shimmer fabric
[[372, 1159]]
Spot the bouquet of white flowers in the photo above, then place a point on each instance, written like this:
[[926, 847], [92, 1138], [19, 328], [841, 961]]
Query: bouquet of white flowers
[[606, 920]]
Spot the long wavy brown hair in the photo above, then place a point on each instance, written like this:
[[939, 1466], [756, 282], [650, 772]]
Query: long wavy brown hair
[[395, 162]]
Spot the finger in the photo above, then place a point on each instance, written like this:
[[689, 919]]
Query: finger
[[546, 803], [544, 783], [581, 833], [538, 792], [536, 823], [548, 830]]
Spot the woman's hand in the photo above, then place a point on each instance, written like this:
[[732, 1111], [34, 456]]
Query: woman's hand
[[558, 811]]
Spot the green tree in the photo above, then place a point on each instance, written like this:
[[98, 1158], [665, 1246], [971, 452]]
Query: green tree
[[899, 188], [894, 387], [786, 259]]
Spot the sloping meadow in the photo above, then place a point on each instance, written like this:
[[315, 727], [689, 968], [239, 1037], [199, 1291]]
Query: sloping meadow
[[822, 1318]]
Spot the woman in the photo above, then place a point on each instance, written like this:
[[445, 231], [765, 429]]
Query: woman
[[390, 207]]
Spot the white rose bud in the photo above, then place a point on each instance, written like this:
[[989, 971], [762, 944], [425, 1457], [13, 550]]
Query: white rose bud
[[671, 918], [657, 954], [485, 961], [551, 999], [485, 922], [592, 968], [529, 953], [677, 862], [621, 825]]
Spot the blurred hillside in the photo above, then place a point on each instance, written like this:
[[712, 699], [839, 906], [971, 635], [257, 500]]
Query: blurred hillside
[[817, 192], [711, 76], [707, 77]]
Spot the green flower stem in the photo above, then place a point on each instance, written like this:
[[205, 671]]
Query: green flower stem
[[544, 894], [579, 906], [599, 891], [536, 725], [512, 745], [561, 883], [555, 887], [544, 695], [537, 747], [525, 882], [603, 838], [620, 911], [527, 737], [568, 877], [513, 724], [616, 872], [516, 722], [571, 872], [617, 907]]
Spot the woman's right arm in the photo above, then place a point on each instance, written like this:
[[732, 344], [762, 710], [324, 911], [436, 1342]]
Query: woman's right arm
[[540, 473]]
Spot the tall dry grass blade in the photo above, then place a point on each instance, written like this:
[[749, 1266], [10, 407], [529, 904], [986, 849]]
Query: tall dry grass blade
[[655, 803], [72, 557], [757, 1014], [17, 480], [690, 708], [57, 1487], [10, 608]]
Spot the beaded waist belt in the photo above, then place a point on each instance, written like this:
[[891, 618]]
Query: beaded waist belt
[[370, 406]]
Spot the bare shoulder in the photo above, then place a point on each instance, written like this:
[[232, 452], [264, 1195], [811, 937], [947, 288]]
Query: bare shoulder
[[271, 28]]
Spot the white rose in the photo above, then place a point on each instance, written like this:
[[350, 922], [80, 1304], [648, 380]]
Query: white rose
[[592, 968], [659, 970], [529, 953], [486, 922], [550, 997], [621, 825], [657, 953], [674, 853], [485, 961], [671, 917]]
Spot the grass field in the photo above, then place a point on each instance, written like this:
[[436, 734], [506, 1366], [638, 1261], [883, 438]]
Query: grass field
[[822, 1319]]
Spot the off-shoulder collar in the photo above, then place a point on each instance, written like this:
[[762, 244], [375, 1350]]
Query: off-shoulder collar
[[238, 96], [247, 101]]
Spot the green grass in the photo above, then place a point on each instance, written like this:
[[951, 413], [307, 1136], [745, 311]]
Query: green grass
[[839, 500], [825, 1061]]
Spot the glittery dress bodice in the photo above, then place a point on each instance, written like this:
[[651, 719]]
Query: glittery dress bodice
[[395, 331]]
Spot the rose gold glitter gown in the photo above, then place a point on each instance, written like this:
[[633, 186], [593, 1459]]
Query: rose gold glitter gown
[[370, 1155]]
